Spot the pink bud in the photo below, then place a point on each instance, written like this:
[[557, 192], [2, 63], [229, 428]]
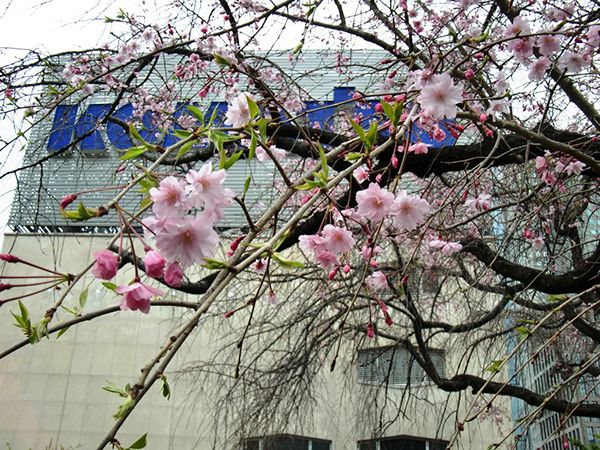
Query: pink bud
[[488, 132], [154, 264], [370, 331], [333, 273], [235, 244], [9, 258], [173, 275], [388, 98], [405, 280], [5, 286], [379, 108], [357, 96], [229, 314], [204, 29], [388, 320], [483, 117], [106, 265], [469, 74], [394, 161], [67, 200], [400, 98], [347, 268]]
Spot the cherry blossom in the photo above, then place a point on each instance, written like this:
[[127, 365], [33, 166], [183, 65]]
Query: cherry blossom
[[361, 174], [377, 281], [263, 156], [106, 265], [447, 248], [538, 68], [136, 296], [374, 202], [572, 62], [408, 211], [419, 148], [480, 203], [206, 187], [173, 275], [169, 198], [439, 97], [188, 240], [548, 44], [238, 111], [337, 240], [154, 264]]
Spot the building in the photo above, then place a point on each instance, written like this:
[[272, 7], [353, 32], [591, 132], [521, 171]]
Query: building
[[53, 391]]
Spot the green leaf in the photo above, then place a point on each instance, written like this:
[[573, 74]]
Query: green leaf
[[140, 443], [360, 132], [287, 263], [166, 389], [197, 113], [253, 144], [353, 156], [372, 133], [495, 366], [253, 107], [232, 160], [323, 157], [61, 332], [523, 332], [308, 185], [182, 134], [556, 298], [246, 186], [134, 134], [133, 153], [80, 215], [184, 149], [113, 388], [83, 298], [109, 285], [262, 128], [124, 407], [221, 60], [214, 264]]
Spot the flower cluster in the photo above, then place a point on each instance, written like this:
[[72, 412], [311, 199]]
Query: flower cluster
[[326, 246]]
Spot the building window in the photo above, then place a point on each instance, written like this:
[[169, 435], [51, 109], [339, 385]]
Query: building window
[[403, 443], [395, 366], [285, 442]]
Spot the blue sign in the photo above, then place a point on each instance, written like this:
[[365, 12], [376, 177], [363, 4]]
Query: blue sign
[[67, 127]]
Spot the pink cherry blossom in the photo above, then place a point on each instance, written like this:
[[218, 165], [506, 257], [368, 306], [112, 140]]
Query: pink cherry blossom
[[439, 98], [518, 27], [572, 168], [188, 240], [154, 264], [447, 248], [419, 148], [480, 203], [572, 62], [136, 296], [538, 68], [326, 259], [206, 187], [548, 44], [522, 49], [593, 36], [263, 156], [106, 265], [537, 243], [238, 111], [311, 243], [337, 239], [408, 211], [173, 275], [374, 202], [169, 198], [361, 174], [377, 281]]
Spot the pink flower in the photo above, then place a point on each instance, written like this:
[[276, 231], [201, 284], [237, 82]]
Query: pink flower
[[173, 275], [447, 248], [137, 296], [439, 98], [539, 68], [377, 281], [518, 27], [326, 259], [361, 174], [206, 187], [481, 203], [154, 264], [408, 211], [106, 265], [262, 155], [541, 163], [593, 36], [522, 49], [419, 148], [337, 240], [548, 44], [572, 62], [188, 240], [238, 111], [537, 243], [311, 243], [374, 202], [169, 198]]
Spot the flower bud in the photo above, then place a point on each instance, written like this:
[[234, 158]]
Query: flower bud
[[9, 258], [67, 200]]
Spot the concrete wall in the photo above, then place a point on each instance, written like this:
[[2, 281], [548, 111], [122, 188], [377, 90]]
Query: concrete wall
[[52, 391]]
